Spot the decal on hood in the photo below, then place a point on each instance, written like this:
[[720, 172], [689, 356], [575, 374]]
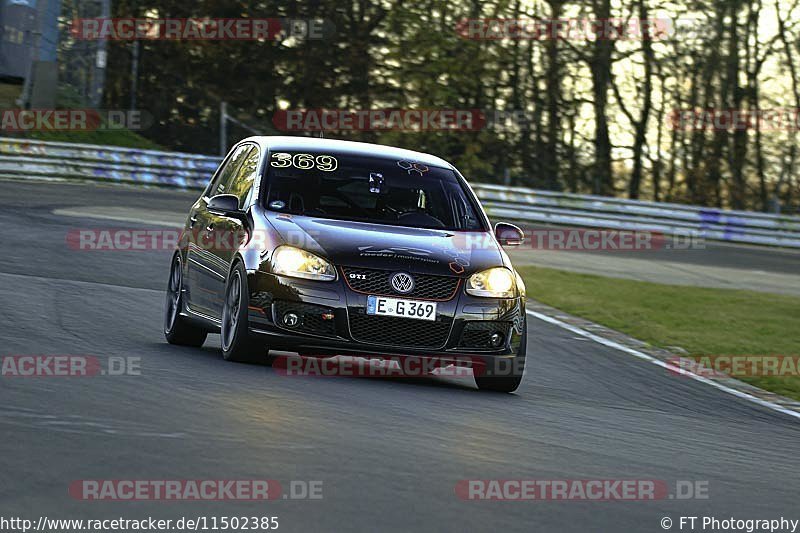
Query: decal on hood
[[398, 252]]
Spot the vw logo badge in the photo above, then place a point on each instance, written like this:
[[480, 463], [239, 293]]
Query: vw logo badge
[[402, 283]]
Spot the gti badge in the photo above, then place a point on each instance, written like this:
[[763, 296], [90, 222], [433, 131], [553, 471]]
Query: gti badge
[[402, 283]]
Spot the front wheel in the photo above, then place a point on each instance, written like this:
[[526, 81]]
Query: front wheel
[[237, 345], [177, 328]]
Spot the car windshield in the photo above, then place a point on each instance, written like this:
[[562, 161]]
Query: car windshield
[[376, 190]]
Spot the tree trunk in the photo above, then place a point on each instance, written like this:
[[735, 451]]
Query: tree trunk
[[600, 67], [640, 127]]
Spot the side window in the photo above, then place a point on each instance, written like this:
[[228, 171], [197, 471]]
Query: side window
[[242, 183], [221, 183]]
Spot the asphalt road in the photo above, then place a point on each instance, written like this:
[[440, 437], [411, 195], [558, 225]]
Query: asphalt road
[[388, 451]]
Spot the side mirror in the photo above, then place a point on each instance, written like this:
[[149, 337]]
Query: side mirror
[[508, 234], [226, 205]]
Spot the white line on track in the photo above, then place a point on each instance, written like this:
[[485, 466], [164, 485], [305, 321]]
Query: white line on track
[[650, 359]]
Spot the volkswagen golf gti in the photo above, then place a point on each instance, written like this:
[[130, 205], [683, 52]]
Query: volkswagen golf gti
[[326, 247]]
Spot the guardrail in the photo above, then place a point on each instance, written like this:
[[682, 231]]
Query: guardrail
[[44, 160], [547, 207], [20, 158]]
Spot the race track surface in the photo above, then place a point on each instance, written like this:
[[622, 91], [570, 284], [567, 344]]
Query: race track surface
[[388, 451]]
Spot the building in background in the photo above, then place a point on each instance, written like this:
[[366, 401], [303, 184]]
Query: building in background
[[28, 49], [38, 56]]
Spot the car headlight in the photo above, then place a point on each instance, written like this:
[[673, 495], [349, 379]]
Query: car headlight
[[297, 263], [493, 283]]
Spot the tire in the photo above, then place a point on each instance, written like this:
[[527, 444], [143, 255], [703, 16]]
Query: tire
[[506, 382], [237, 344], [177, 328]]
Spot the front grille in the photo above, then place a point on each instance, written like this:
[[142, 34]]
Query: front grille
[[401, 332], [426, 287], [478, 334], [311, 320]]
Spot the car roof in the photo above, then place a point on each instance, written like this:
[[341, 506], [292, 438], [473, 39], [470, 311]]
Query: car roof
[[291, 144]]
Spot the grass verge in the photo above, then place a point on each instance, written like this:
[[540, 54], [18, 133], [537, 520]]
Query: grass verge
[[67, 98], [700, 320]]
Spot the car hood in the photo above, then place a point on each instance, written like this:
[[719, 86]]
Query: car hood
[[365, 245]]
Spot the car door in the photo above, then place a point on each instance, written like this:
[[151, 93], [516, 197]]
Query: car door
[[203, 273], [230, 231]]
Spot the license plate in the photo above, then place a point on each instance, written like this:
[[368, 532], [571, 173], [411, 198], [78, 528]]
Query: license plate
[[378, 305]]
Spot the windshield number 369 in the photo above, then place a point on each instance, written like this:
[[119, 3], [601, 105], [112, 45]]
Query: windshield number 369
[[326, 163]]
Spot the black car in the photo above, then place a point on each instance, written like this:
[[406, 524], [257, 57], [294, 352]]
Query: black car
[[326, 247]]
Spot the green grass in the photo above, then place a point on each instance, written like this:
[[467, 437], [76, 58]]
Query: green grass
[[700, 320], [66, 98]]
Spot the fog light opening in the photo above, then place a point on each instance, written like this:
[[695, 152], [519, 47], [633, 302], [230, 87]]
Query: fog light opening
[[291, 320], [497, 339]]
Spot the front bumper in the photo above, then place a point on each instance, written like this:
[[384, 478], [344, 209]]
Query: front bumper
[[333, 321]]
